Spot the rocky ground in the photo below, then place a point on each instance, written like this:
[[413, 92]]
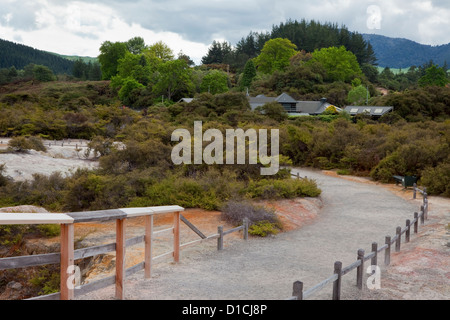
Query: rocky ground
[[63, 156]]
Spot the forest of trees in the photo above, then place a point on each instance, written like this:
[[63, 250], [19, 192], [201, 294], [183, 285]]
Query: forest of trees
[[19, 56], [306, 35]]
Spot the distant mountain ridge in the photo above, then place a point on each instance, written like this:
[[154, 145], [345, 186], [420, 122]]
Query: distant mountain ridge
[[18, 55], [404, 53]]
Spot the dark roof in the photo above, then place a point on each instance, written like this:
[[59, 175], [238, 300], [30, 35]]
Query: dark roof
[[285, 98], [301, 107], [260, 100]]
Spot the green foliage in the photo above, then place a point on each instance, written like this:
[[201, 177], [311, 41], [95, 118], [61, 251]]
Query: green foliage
[[43, 73], [19, 56], [214, 82], [340, 64], [283, 188], [437, 179], [358, 95], [127, 93], [434, 76], [263, 228], [275, 55], [217, 53], [47, 281], [110, 54], [248, 75], [174, 79], [22, 144], [275, 111]]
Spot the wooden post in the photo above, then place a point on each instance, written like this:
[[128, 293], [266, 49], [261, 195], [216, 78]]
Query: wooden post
[[220, 239], [416, 222], [374, 260], [425, 209], [298, 175], [408, 229], [298, 290], [67, 261], [399, 239], [245, 228], [337, 283], [148, 246], [387, 253], [414, 190], [176, 237], [422, 215], [120, 258], [360, 269]]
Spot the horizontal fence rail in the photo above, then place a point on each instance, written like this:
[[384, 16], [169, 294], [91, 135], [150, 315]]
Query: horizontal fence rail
[[299, 293], [67, 255]]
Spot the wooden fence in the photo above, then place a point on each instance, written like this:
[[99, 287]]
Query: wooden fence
[[67, 256], [339, 271]]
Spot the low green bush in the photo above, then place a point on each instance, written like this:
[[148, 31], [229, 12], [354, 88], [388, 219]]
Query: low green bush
[[263, 228]]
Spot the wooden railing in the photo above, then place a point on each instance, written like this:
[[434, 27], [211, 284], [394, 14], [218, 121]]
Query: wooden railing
[[339, 271], [67, 255]]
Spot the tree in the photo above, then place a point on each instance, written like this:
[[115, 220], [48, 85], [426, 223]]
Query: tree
[[125, 93], [43, 74], [217, 53], [110, 54], [340, 64], [173, 78], [136, 45], [358, 95], [275, 55], [248, 75], [434, 76], [214, 82], [161, 51]]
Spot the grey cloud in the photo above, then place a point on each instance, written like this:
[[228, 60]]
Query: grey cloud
[[22, 14]]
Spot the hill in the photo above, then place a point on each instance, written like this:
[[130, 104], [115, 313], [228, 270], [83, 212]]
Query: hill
[[18, 55], [403, 53]]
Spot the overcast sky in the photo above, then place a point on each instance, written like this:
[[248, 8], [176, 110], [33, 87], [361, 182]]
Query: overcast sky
[[79, 27]]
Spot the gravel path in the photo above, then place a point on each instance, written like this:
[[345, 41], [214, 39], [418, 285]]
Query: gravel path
[[354, 215]]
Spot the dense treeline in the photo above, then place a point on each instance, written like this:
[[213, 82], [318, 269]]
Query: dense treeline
[[19, 56], [307, 36]]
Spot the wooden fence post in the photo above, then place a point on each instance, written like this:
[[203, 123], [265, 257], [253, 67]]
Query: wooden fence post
[[398, 232], [408, 229], [387, 252], [298, 290], [148, 246], [245, 229], [120, 258], [422, 214], [220, 239], [67, 260], [360, 269], [416, 222], [374, 260], [414, 190], [176, 237], [337, 283], [425, 209]]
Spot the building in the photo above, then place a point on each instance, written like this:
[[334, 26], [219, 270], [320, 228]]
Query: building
[[292, 106], [373, 111]]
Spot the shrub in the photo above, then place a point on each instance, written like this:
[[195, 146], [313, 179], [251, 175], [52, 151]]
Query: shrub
[[437, 180], [235, 211], [263, 228], [284, 188], [22, 144]]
